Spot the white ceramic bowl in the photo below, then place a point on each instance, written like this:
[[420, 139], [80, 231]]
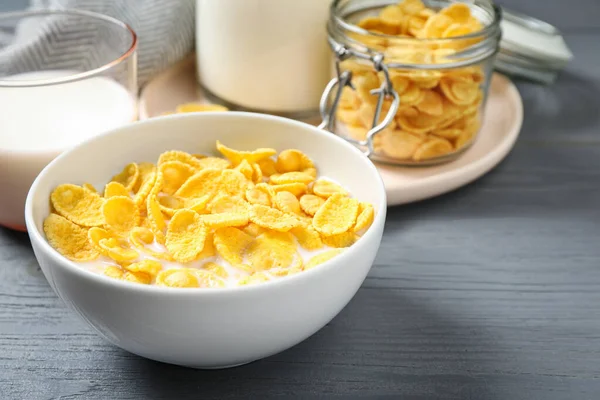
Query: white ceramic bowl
[[208, 328]]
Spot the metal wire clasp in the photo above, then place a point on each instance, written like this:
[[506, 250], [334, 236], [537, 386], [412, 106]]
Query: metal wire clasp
[[344, 78]]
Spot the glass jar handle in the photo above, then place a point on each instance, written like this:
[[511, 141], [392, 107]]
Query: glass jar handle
[[344, 79]]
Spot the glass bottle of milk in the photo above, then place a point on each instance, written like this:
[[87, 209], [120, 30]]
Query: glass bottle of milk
[[264, 55]]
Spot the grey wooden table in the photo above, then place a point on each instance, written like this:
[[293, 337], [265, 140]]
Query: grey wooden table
[[490, 292]]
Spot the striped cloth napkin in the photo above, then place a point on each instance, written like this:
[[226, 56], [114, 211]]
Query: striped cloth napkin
[[165, 30]]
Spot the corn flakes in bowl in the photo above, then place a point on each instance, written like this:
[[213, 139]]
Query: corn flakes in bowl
[[209, 239]]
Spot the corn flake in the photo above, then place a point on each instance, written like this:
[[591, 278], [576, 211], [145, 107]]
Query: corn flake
[[267, 167], [209, 279], [336, 216], [321, 258], [170, 204], [400, 144], [175, 173], [365, 217], [254, 230], [365, 84], [233, 182], [198, 204], [296, 188], [307, 237], [341, 240], [117, 250], [148, 183], [400, 82], [141, 237], [325, 188], [128, 177], [237, 156], [311, 171], [392, 15], [231, 244], [431, 103], [146, 170], [137, 277], [178, 277], [78, 205], [459, 12], [292, 160], [297, 266], [349, 99], [467, 135], [366, 115], [271, 218], [272, 250], [259, 195], [412, 95], [181, 156], [186, 234], [199, 107], [69, 239], [150, 267], [96, 234], [310, 204], [459, 92], [255, 278], [246, 169], [214, 163], [156, 220], [205, 182], [114, 272], [90, 187], [209, 247], [224, 203], [223, 220], [286, 202], [216, 269], [121, 214], [114, 188], [291, 177], [257, 175], [433, 148]]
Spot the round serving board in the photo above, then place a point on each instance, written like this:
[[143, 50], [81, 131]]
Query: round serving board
[[499, 132]]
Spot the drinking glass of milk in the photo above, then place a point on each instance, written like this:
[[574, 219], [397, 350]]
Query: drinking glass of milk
[[65, 76]]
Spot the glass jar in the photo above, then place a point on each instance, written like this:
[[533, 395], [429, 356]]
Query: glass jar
[[411, 77]]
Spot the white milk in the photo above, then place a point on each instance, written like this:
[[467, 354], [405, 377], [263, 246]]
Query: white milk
[[234, 274], [37, 123], [55, 117], [268, 55]]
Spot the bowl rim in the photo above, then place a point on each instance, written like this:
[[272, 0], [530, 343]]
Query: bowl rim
[[36, 236]]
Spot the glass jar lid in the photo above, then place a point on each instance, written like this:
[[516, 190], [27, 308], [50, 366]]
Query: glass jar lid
[[531, 48]]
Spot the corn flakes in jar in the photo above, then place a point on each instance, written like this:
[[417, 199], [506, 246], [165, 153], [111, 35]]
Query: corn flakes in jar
[[412, 76]]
